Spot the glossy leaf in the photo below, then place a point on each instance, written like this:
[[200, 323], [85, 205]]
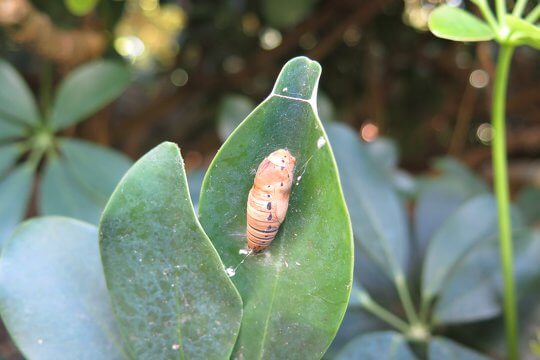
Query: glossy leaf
[[53, 298], [295, 293], [444, 349], [528, 201], [473, 222], [79, 182], [378, 217], [470, 294], [86, 90], [17, 103], [8, 156], [437, 199], [456, 24], [15, 191], [387, 345], [169, 290], [233, 109], [80, 7]]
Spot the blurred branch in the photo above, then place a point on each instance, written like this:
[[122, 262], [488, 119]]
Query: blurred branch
[[27, 26]]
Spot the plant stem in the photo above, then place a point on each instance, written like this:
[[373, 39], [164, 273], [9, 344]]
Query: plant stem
[[500, 168], [519, 7], [500, 7], [367, 303], [487, 14], [534, 14], [405, 297]]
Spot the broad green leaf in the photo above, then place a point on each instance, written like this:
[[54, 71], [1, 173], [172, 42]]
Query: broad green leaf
[[444, 349], [80, 7], [10, 129], [476, 220], [384, 153], [17, 103], [285, 14], [452, 23], [169, 290], [470, 294], [61, 194], [53, 298], [15, 191], [8, 156], [453, 168], [378, 217], [523, 32], [195, 179], [79, 183], [386, 345], [295, 292], [97, 169], [233, 109], [86, 90], [437, 199], [528, 201]]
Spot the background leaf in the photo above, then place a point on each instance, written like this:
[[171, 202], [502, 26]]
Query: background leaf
[[86, 90], [53, 298], [528, 202], [378, 217], [285, 14], [168, 286], [233, 109], [80, 7], [8, 156], [15, 191], [295, 293], [80, 181], [17, 104], [523, 32], [474, 221], [387, 345], [452, 23], [444, 349]]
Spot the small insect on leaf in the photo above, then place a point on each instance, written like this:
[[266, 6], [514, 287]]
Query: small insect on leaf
[[268, 199]]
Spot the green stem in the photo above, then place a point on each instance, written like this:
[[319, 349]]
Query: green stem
[[367, 303], [487, 14], [519, 7], [500, 7], [405, 297], [534, 14], [500, 168]]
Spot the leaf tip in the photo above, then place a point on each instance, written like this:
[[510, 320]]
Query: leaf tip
[[298, 79]]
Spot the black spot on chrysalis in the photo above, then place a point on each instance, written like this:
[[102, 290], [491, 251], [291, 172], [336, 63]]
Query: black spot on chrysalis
[[269, 206]]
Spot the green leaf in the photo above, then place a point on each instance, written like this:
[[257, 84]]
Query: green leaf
[[10, 129], [15, 191], [285, 14], [469, 294], [80, 7], [378, 217], [17, 103], [444, 349], [233, 109], [195, 179], [62, 194], [438, 198], [528, 201], [79, 183], [295, 293], [454, 169], [53, 298], [169, 290], [8, 156], [98, 169], [523, 32], [476, 220], [387, 345], [452, 23], [86, 90]]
